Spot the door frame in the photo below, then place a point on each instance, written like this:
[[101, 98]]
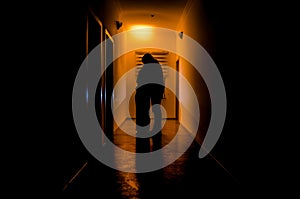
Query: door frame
[[108, 83]]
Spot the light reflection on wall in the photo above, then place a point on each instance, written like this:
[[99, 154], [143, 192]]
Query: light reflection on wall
[[87, 95], [142, 32]]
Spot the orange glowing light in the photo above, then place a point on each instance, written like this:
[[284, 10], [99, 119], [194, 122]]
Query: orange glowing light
[[142, 32]]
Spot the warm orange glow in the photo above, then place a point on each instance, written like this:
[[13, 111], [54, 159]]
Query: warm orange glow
[[142, 32], [135, 27]]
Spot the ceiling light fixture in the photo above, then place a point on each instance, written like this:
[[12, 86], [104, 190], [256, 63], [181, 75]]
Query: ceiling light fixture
[[118, 25]]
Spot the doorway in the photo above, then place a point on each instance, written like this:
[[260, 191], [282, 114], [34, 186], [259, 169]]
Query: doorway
[[108, 83]]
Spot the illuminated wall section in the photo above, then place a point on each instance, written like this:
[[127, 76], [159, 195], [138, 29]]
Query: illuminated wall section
[[192, 24]]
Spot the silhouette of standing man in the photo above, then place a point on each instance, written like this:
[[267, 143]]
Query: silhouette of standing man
[[150, 89]]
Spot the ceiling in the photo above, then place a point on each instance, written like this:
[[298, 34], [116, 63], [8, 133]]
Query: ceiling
[[158, 13]]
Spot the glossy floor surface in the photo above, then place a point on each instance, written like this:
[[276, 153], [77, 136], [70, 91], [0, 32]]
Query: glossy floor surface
[[187, 177]]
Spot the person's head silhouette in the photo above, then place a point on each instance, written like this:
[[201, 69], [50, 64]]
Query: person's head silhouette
[[148, 58]]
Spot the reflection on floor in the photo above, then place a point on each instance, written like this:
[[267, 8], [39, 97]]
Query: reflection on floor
[[127, 142], [187, 177], [132, 184]]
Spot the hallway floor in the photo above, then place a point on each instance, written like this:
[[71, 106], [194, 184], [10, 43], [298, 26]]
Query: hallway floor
[[187, 177]]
